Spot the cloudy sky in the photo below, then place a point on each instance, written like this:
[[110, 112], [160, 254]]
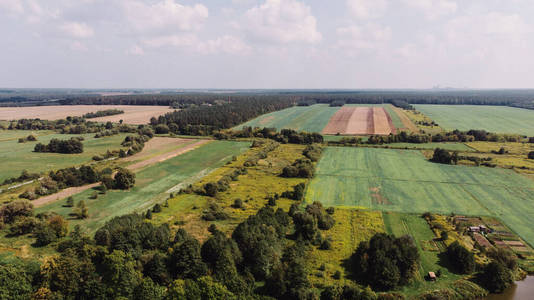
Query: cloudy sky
[[267, 43]]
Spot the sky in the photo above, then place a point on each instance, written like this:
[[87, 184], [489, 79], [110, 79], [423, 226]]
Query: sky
[[267, 44]]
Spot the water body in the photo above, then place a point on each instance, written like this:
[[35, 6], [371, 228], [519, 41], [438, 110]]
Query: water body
[[521, 290]]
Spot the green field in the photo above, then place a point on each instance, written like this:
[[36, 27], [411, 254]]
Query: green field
[[404, 181], [499, 119], [430, 146], [17, 156], [152, 184], [429, 249], [301, 118]]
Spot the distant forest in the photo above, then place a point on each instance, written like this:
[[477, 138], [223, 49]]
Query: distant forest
[[515, 98]]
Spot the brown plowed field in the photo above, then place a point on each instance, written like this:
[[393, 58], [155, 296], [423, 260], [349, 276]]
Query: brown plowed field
[[133, 114], [339, 121], [382, 125], [360, 121]]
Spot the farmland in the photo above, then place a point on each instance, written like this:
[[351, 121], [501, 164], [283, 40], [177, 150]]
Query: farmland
[[152, 184], [350, 119], [404, 181], [133, 114], [301, 118], [499, 119], [17, 156]]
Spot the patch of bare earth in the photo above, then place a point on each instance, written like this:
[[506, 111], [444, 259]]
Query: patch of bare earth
[[133, 167], [361, 121], [266, 120], [378, 198], [339, 121], [166, 156], [133, 114], [380, 120], [63, 194]]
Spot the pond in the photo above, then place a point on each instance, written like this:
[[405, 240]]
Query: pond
[[521, 290]]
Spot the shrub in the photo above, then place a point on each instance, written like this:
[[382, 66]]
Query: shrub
[[238, 203], [461, 258], [156, 208], [124, 179], [531, 155]]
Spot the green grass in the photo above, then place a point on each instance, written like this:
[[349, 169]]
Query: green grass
[[17, 156], [397, 122], [153, 184], [429, 249], [301, 118], [430, 146], [499, 119], [404, 181]]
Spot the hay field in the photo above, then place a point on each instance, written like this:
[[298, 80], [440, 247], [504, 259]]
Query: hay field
[[152, 184], [133, 114], [404, 181], [499, 119], [16, 156], [301, 118]]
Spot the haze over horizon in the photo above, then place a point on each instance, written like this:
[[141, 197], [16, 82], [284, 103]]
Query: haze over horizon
[[267, 44]]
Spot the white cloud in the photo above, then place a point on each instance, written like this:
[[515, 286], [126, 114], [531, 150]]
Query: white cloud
[[281, 21], [367, 37], [12, 6], [164, 16], [367, 9], [433, 8], [78, 46], [77, 30], [136, 50], [225, 44]]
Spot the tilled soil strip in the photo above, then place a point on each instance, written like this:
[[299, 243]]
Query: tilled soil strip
[[75, 190]]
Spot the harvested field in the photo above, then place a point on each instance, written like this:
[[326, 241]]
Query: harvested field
[[358, 120], [133, 114]]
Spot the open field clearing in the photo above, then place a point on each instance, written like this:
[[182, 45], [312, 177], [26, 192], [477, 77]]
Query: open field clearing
[[429, 248], [301, 118], [152, 184], [16, 156], [498, 119], [133, 114], [352, 227], [404, 181], [260, 182]]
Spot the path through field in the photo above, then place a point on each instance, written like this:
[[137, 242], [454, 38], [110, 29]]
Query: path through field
[[150, 145]]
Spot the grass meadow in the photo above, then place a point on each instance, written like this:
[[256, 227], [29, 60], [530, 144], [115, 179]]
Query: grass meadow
[[253, 188], [153, 184], [404, 181], [499, 119], [17, 156], [429, 249], [301, 118]]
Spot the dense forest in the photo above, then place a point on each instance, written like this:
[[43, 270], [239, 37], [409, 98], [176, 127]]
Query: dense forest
[[516, 98]]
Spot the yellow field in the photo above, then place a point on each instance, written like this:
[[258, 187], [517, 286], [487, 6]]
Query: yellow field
[[260, 182], [352, 227]]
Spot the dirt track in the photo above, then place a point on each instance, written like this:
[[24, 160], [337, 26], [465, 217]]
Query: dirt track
[[133, 167], [408, 124], [133, 114]]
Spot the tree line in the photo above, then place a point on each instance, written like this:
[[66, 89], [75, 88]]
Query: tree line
[[103, 113]]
